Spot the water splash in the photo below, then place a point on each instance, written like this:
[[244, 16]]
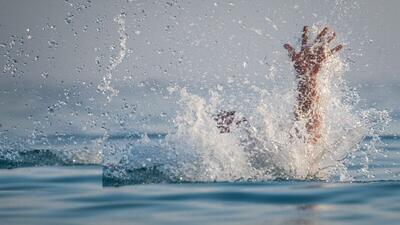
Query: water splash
[[272, 145], [105, 86], [203, 153]]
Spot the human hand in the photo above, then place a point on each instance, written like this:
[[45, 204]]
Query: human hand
[[312, 54]]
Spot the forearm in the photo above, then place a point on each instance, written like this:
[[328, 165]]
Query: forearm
[[307, 94]]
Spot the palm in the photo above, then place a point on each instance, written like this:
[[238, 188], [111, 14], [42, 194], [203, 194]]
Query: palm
[[309, 59]]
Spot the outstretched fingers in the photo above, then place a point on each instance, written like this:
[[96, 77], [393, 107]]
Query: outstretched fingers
[[336, 49], [304, 37], [321, 35], [290, 50], [331, 38]]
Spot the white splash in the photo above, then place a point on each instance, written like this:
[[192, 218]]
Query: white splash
[[105, 86], [270, 146], [203, 153]]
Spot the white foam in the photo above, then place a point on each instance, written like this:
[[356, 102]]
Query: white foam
[[270, 147]]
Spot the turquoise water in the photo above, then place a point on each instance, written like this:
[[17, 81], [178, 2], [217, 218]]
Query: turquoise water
[[64, 193]]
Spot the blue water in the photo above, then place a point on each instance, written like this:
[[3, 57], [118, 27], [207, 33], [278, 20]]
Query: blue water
[[64, 193]]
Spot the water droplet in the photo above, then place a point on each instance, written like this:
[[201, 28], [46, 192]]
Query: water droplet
[[50, 109], [52, 44], [45, 75], [69, 18]]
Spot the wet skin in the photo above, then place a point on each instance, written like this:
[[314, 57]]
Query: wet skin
[[307, 63]]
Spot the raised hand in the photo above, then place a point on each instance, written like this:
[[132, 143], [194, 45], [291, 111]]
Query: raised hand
[[314, 53], [307, 63]]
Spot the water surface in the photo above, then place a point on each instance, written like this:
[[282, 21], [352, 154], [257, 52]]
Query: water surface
[[76, 195]]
